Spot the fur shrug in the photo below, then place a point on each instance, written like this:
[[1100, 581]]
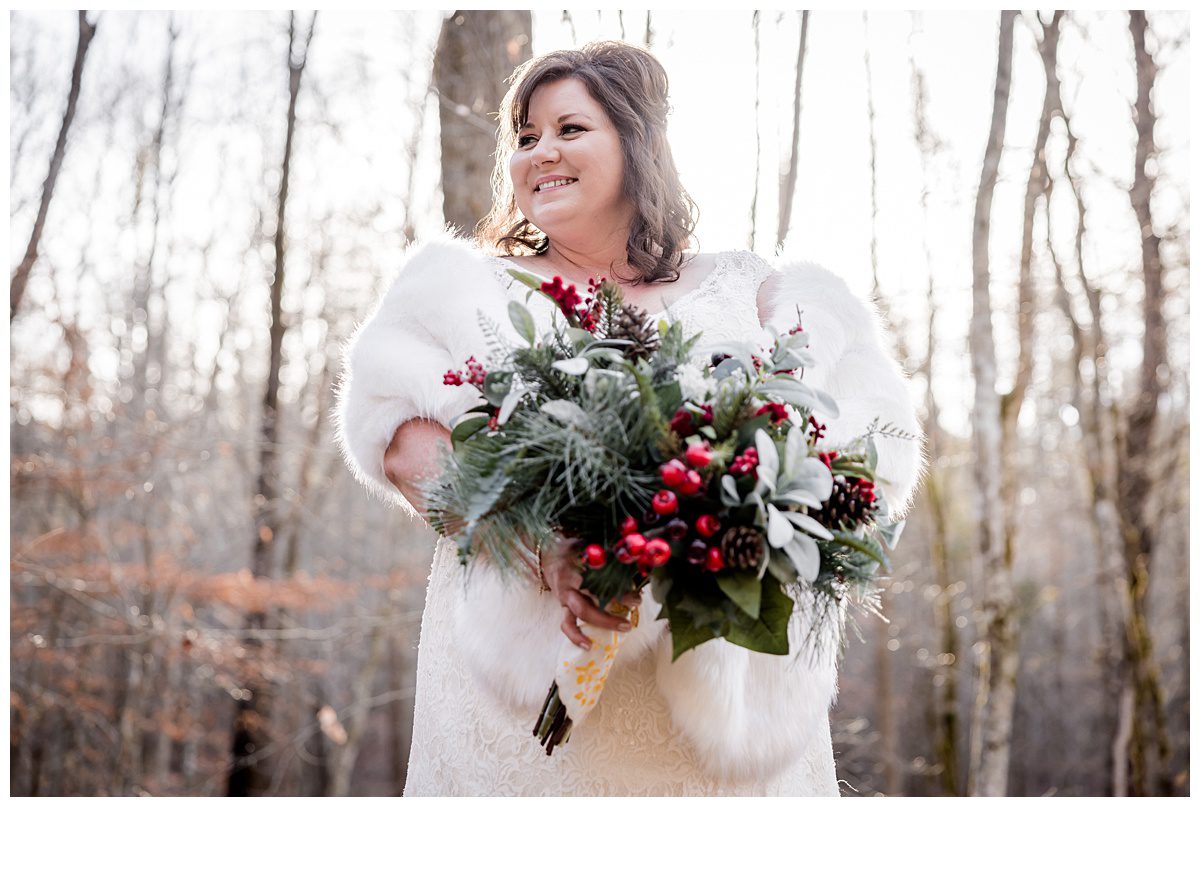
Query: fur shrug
[[747, 715]]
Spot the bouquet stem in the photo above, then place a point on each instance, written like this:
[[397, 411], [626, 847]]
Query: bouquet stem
[[554, 724]]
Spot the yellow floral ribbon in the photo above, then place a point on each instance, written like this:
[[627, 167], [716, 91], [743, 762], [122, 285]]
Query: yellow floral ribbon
[[581, 674]]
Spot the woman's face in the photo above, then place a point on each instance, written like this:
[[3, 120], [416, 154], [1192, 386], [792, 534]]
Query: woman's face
[[570, 137]]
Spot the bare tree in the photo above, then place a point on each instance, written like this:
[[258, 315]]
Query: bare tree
[[945, 739], [787, 181], [476, 52], [20, 277], [755, 24], [997, 658], [249, 728], [1135, 475]]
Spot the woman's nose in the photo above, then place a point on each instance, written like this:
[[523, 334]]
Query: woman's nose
[[544, 152]]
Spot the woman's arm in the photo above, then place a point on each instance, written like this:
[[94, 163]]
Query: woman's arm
[[414, 457]]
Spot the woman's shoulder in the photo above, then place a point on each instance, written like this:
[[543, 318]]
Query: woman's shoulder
[[438, 275]]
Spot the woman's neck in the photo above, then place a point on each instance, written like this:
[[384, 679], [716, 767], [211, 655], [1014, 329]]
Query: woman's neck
[[604, 258]]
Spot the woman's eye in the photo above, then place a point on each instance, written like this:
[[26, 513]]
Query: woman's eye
[[572, 126], [524, 141]]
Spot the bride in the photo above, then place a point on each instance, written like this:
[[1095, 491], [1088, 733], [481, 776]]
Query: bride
[[586, 187]]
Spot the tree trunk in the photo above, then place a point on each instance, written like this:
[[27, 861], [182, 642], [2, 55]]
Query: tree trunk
[[16, 290], [1149, 751], [250, 726], [945, 754], [997, 660], [476, 52], [787, 182], [755, 25]]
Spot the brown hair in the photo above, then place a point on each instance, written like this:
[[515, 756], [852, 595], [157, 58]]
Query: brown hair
[[631, 85]]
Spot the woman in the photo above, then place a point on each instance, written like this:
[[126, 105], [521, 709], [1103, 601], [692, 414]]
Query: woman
[[586, 187]]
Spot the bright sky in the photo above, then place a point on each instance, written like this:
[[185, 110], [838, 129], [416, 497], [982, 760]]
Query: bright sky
[[366, 64]]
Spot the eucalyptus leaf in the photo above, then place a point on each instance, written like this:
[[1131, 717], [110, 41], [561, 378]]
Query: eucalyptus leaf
[[467, 427], [522, 321], [779, 529], [792, 390]]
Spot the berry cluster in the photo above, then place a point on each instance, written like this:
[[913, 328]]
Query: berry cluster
[[568, 302], [649, 544], [473, 375], [746, 463], [685, 423], [777, 410]]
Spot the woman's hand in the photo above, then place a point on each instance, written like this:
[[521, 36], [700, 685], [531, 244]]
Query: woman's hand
[[560, 564]]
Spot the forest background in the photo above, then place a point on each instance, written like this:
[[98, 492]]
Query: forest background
[[203, 602]]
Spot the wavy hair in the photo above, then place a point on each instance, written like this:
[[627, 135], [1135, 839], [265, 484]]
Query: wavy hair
[[631, 85]]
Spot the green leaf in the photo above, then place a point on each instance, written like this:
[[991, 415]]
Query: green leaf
[[467, 427], [522, 321], [530, 280], [768, 633], [780, 566], [686, 633], [744, 589], [768, 461], [866, 545], [508, 405]]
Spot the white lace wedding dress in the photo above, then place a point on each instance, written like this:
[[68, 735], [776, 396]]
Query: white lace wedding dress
[[468, 741]]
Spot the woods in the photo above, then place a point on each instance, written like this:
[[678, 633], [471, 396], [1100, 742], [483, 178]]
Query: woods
[[204, 602]]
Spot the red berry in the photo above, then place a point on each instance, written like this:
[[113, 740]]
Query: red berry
[[665, 502], [691, 484], [697, 552], [698, 455], [624, 555], [629, 525], [707, 525], [677, 529], [635, 542], [657, 553], [595, 556], [672, 473], [714, 560]]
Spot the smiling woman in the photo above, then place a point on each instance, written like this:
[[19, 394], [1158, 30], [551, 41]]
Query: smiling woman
[[586, 187]]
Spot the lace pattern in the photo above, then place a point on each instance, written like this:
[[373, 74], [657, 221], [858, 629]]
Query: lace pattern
[[467, 743]]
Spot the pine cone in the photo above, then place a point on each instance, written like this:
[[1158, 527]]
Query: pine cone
[[743, 548], [851, 503], [635, 325]]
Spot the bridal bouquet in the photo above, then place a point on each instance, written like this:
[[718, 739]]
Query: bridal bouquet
[[700, 475]]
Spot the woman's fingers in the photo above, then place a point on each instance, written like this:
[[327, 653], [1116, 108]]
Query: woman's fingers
[[570, 628], [581, 605]]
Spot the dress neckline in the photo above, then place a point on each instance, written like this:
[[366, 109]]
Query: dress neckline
[[722, 259]]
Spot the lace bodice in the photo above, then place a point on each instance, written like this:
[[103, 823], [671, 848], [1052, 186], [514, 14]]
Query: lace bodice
[[467, 742]]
